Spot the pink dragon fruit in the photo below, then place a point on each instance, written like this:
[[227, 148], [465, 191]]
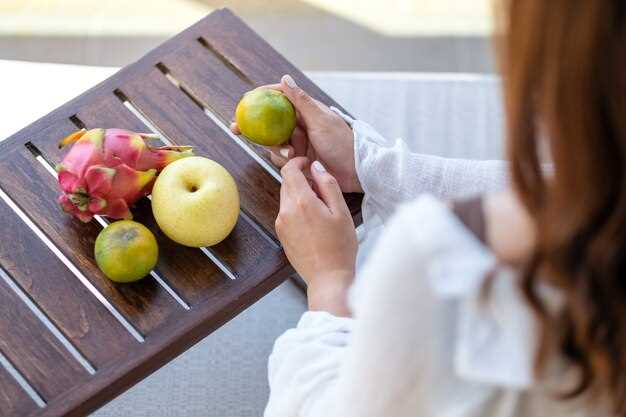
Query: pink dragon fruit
[[108, 170]]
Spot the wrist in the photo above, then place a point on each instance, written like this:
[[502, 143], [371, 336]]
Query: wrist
[[354, 177], [349, 181], [330, 294], [356, 184]]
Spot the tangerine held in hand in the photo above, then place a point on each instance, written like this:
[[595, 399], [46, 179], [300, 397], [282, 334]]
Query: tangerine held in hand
[[126, 251], [266, 117]]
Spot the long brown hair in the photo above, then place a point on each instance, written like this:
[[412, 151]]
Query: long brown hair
[[564, 71]]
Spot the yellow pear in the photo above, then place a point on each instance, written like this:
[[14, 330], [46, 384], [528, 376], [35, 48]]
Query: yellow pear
[[195, 202]]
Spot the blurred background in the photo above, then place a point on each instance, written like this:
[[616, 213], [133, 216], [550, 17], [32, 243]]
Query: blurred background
[[319, 35]]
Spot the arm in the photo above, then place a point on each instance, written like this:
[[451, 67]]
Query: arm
[[304, 365], [386, 361], [414, 344], [330, 366], [390, 174]]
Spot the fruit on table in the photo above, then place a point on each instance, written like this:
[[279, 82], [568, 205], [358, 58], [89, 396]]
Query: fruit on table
[[195, 202], [266, 117], [107, 170], [126, 251]]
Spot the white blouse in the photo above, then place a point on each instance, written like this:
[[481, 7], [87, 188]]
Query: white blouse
[[421, 343]]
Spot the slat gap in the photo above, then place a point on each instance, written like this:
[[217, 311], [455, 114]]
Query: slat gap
[[260, 229], [77, 122], [170, 289], [45, 320], [218, 262], [228, 63], [40, 158], [271, 169], [57, 252], [143, 118], [22, 381]]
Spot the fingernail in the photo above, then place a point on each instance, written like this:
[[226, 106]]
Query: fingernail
[[233, 125], [289, 81], [317, 165], [284, 152]]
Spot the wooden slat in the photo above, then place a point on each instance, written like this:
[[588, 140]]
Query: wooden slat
[[57, 291], [209, 77], [248, 253], [33, 350], [13, 399], [145, 303], [184, 122]]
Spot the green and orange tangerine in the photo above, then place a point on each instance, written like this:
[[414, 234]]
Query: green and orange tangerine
[[126, 251], [266, 117]]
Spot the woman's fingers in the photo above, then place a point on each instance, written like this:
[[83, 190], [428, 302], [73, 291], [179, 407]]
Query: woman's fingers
[[293, 175], [277, 86], [306, 106], [280, 155], [328, 188], [300, 141], [298, 191], [235, 128], [283, 151], [297, 188]]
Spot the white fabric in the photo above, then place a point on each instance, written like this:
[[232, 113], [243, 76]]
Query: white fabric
[[421, 343], [391, 174]]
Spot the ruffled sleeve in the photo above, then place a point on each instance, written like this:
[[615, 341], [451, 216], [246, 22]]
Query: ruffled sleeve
[[305, 364], [391, 174]]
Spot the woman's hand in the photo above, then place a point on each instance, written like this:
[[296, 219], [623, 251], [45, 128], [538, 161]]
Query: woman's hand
[[318, 235], [320, 134]]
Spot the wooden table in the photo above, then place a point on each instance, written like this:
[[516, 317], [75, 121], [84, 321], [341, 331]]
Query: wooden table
[[66, 331]]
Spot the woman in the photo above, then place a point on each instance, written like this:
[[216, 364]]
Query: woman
[[509, 304]]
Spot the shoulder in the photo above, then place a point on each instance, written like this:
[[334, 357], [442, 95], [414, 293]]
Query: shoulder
[[509, 228]]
